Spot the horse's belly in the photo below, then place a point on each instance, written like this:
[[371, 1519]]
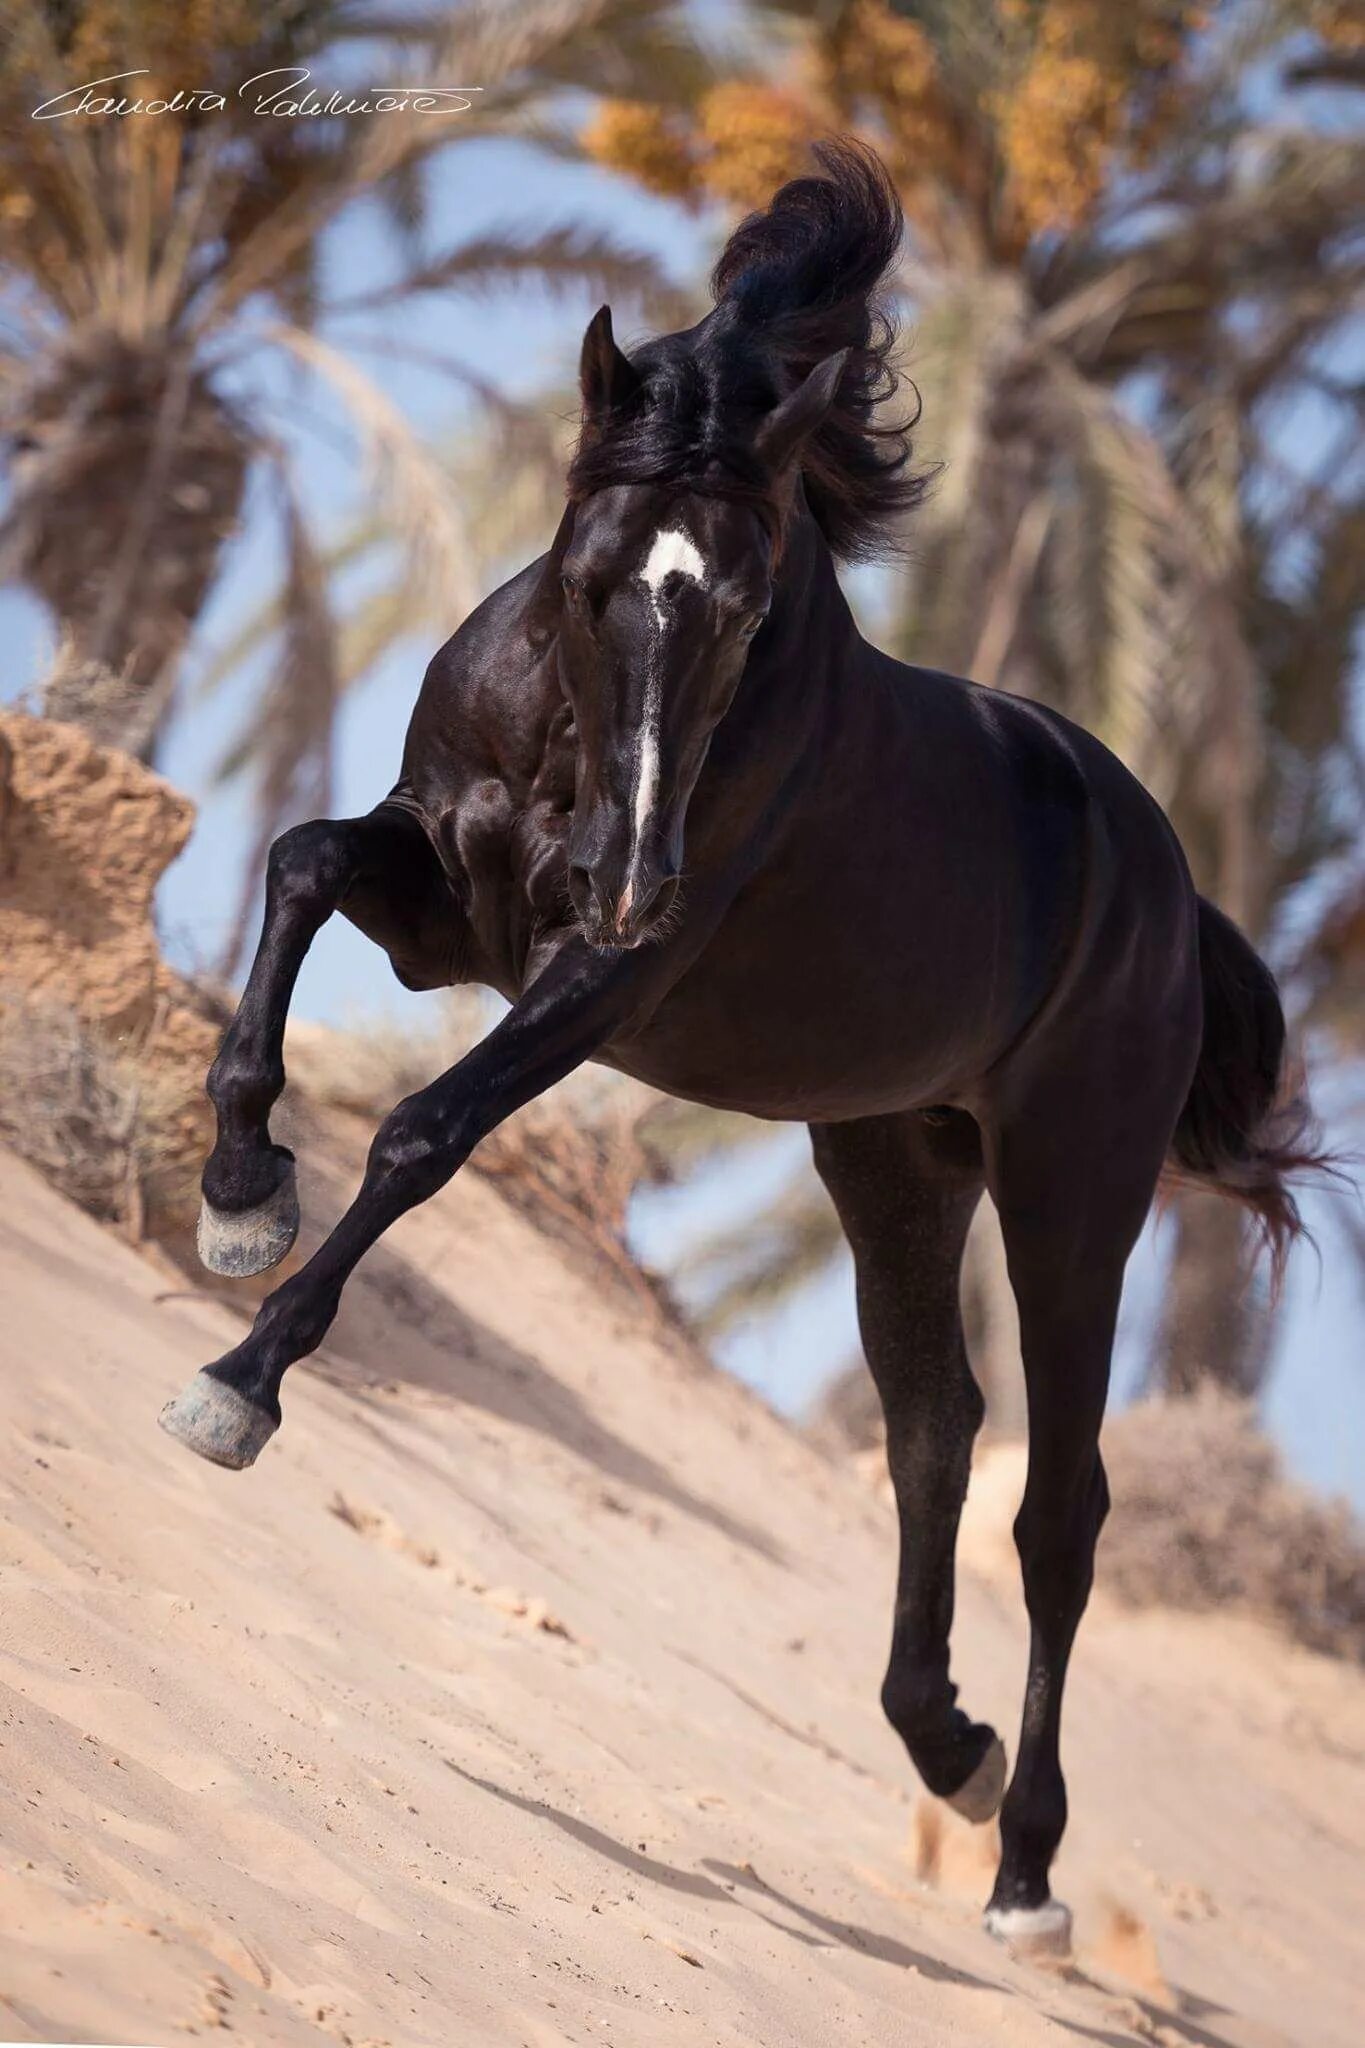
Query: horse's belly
[[814, 1045]]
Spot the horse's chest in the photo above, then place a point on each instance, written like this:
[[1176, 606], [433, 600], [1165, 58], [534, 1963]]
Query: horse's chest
[[781, 1028], [507, 862]]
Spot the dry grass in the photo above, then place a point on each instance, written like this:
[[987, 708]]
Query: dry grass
[[94, 1116], [367, 1068]]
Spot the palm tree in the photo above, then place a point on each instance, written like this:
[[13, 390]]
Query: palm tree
[[151, 265], [1128, 280]]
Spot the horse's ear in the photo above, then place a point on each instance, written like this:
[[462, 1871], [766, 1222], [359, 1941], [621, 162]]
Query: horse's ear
[[542, 612], [790, 424], [606, 376]]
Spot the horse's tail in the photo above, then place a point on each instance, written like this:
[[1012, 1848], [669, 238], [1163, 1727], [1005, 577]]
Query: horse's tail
[[1246, 1126], [806, 276]]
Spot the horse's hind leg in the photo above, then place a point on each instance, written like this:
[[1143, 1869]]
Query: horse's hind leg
[[906, 1188], [366, 867], [1072, 1180]]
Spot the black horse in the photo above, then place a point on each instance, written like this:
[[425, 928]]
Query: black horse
[[660, 793]]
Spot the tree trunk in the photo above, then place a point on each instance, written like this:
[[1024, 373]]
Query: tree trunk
[[127, 483], [1215, 1329]]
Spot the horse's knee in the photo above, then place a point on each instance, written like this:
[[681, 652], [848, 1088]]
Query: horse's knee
[[933, 1410], [416, 1149]]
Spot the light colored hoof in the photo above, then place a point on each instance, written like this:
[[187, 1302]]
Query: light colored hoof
[[1032, 1930], [979, 1799], [218, 1422], [253, 1240]]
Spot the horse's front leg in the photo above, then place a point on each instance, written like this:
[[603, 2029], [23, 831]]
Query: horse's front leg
[[250, 1213], [231, 1409]]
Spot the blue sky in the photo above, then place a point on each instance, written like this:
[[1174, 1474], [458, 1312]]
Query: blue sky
[[1316, 1403]]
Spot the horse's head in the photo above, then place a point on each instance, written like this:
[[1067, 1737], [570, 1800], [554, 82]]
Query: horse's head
[[662, 586]]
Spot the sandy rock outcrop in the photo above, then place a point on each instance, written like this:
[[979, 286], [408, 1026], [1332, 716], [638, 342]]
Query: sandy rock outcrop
[[85, 835]]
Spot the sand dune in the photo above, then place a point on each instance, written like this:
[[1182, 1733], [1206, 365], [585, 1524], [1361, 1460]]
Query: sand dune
[[526, 1693]]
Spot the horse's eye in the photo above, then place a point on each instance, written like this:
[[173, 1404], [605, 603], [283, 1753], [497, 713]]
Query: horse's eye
[[751, 625], [575, 596]]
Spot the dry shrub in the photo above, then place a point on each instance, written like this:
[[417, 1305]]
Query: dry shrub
[[367, 1068], [104, 702], [572, 1154], [569, 1160], [1204, 1518], [98, 1118]]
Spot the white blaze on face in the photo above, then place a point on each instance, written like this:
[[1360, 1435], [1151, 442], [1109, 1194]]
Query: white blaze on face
[[672, 552]]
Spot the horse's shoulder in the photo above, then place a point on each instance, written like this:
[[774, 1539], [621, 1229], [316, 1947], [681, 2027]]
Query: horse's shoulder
[[492, 644]]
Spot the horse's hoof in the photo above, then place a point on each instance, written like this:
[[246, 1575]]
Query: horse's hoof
[[218, 1422], [238, 1244], [1032, 1930], [979, 1799]]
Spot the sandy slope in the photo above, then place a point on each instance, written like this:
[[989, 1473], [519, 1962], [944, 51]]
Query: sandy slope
[[525, 1693]]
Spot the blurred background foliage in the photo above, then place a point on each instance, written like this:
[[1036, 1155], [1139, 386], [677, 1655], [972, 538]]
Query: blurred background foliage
[[1131, 306]]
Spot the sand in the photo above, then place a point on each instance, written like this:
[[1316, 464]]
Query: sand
[[525, 1693]]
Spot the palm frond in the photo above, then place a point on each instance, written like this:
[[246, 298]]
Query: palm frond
[[559, 260], [286, 742], [413, 492], [506, 479], [677, 1136], [966, 357], [1112, 581], [734, 1275], [261, 627]]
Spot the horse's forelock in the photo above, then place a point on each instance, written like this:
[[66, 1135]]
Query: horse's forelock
[[794, 284]]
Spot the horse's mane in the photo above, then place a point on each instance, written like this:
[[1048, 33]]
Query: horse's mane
[[793, 284]]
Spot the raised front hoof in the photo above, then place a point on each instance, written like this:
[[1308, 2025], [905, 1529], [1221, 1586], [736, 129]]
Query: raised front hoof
[[978, 1800], [238, 1244], [218, 1423], [1032, 1930]]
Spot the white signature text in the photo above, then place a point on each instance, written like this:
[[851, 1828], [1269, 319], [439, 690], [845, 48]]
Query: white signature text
[[283, 94]]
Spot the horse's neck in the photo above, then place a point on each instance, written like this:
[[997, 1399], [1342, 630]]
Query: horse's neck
[[809, 609], [789, 695]]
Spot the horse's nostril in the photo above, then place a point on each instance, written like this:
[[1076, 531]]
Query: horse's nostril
[[584, 893], [665, 893]]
